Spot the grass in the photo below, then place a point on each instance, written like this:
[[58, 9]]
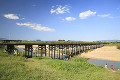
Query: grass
[[114, 44], [118, 46], [44, 68]]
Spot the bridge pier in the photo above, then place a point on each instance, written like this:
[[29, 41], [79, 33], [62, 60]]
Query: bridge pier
[[49, 51], [10, 49], [62, 51], [28, 49], [75, 49], [79, 46], [70, 51], [54, 47], [59, 51]]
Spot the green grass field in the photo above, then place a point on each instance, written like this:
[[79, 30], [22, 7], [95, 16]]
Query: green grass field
[[44, 68]]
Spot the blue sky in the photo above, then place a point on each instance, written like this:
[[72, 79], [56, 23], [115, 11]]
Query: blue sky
[[81, 20]]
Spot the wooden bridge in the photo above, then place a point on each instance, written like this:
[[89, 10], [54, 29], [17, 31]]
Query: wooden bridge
[[51, 49]]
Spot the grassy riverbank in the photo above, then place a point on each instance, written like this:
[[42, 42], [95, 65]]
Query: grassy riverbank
[[114, 44], [44, 68]]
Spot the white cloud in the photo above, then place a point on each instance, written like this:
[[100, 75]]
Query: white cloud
[[11, 16], [70, 18], [36, 27], [60, 9], [33, 5], [85, 14], [118, 8], [104, 15], [23, 18]]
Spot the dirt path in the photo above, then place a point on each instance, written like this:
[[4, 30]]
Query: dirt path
[[105, 53]]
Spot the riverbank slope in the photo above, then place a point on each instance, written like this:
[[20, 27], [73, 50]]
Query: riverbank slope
[[44, 68]]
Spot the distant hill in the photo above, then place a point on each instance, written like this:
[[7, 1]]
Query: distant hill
[[3, 39], [110, 40]]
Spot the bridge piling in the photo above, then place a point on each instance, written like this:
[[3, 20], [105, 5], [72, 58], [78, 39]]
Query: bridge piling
[[79, 48], [70, 51], [49, 51], [28, 50], [10, 49], [59, 51], [54, 50], [62, 51], [45, 50]]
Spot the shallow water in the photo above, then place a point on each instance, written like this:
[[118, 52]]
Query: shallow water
[[116, 65]]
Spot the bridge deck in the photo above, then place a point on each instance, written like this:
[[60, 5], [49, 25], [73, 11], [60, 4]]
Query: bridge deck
[[49, 43]]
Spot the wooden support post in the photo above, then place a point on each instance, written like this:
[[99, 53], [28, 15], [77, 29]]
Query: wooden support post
[[62, 51], [59, 51], [70, 50], [90, 47], [54, 50], [49, 50], [75, 49], [26, 50], [65, 48], [79, 48], [87, 47], [31, 50], [83, 48], [41, 50], [93, 46], [45, 50]]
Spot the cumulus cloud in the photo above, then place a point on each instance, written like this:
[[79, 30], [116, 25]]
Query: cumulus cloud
[[70, 18], [104, 15], [58, 9], [84, 15], [11, 16], [38, 27]]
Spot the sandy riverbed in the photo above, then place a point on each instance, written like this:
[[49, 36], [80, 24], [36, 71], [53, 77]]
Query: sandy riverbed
[[105, 53], [23, 46]]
